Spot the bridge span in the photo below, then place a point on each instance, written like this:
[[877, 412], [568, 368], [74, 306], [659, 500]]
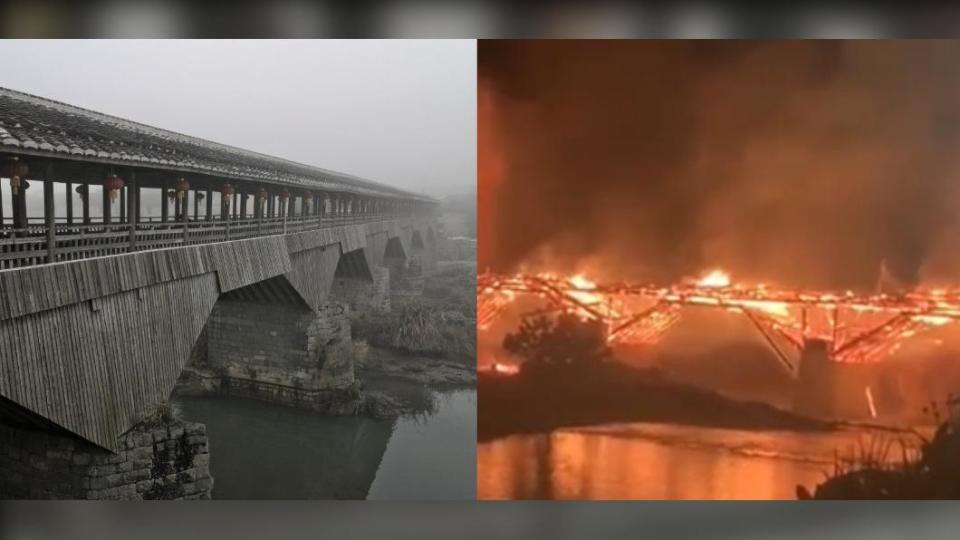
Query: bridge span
[[102, 305]]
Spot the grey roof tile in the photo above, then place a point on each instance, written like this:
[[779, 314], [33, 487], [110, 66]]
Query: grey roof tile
[[40, 124]]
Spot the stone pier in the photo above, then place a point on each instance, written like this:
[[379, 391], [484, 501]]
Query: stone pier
[[275, 349], [830, 389], [168, 461]]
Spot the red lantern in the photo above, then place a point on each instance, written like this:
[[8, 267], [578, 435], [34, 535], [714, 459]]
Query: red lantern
[[284, 195], [15, 170], [181, 186], [226, 190], [114, 184]]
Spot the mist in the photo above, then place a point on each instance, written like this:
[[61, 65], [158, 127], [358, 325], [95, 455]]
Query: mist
[[396, 112]]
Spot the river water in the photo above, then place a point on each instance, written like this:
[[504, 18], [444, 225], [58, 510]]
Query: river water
[[264, 451], [659, 461]]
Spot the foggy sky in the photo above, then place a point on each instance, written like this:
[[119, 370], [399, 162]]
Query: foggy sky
[[795, 162], [396, 112]]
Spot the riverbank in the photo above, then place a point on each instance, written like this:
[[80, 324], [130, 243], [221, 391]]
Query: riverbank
[[540, 402], [897, 467], [439, 323]]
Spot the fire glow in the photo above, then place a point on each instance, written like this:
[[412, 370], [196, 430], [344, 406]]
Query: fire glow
[[858, 328]]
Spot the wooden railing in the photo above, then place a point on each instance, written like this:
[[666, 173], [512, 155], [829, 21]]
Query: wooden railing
[[28, 246]]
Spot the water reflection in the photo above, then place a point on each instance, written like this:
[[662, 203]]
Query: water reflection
[[644, 461], [264, 451]]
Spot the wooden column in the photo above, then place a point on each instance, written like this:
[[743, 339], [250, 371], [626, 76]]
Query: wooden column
[[133, 203], [209, 204], [243, 204], [14, 207], [123, 205], [183, 213], [85, 203], [19, 205], [196, 205], [105, 195], [165, 207], [69, 202], [49, 213]]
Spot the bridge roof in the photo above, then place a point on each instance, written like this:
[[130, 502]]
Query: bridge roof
[[32, 125]]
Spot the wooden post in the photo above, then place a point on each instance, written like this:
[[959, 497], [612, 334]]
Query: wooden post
[[260, 207], [133, 204], [243, 205], [85, 203], [19, 204], [183, 209], [123, 205], [209, 204], [105, 195], [14, 207], [49, 215], [69, 203], [165, 202]]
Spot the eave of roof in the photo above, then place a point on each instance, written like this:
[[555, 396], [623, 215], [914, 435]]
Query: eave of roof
[[70, 132]]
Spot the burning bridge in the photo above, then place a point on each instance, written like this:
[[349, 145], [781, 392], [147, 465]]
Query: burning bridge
[[838, 336], [153, 247]]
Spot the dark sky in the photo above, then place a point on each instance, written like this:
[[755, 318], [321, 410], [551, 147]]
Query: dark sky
[[802, 162]]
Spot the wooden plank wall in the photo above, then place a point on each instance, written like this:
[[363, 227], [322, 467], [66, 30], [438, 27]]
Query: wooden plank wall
[[88, 344], [312, 273], [92, 367]]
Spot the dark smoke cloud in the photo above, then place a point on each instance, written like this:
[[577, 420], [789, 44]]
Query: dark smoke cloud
[[797, 162]]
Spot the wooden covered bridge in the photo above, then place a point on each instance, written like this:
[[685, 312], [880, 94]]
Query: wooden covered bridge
[[117, 239]]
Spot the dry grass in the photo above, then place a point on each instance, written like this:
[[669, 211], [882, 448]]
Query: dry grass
[[160, 413]]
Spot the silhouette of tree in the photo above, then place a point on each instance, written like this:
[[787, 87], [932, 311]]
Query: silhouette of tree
[[564, 340]]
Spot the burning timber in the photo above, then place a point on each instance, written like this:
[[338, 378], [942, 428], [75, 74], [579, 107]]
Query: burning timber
[[829, 342]]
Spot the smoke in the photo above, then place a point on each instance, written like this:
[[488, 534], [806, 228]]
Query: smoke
[[797, 162]]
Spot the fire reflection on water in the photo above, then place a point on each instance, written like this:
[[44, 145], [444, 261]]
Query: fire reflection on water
[[644, 461]]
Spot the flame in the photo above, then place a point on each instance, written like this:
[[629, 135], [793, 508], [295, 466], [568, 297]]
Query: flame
[[861, 328], [933, 320], [506, 369], [716, 278], [582, 286]]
